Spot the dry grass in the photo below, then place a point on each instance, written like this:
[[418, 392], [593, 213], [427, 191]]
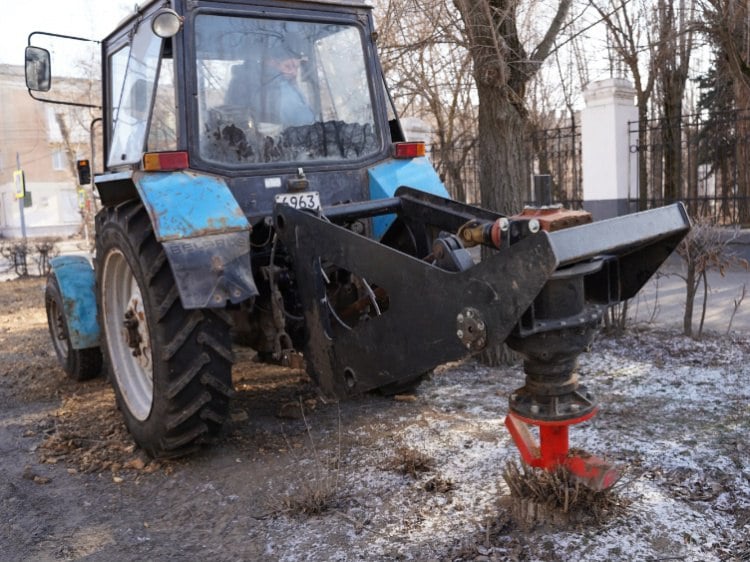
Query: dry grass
[[317, 490], [411, 462], [312, 497], [539, 496]]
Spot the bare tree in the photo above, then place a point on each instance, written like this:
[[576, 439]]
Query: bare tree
[[429, 73], [704, 249], [503, 67], [74, 141], [672, 66], [727, 24], [630, 29]]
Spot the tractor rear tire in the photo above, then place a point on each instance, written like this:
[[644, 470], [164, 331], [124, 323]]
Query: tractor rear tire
[[171, 368], [78, 364]]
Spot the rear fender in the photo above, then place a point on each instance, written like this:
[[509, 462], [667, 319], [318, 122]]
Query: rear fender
[[386, 178], [205, 235], [75, 277]]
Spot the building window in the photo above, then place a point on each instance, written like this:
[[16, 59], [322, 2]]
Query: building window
[[58, 160]]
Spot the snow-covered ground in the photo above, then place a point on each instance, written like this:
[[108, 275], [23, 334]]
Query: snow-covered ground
[[675, 417]]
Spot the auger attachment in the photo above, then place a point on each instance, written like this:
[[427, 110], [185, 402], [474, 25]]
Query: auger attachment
[[550, 336]]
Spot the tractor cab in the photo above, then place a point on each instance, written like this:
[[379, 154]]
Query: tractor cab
[[285, 101], [264, 88]]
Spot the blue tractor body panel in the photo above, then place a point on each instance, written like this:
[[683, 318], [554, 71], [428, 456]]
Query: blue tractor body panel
[[204, 233], [187, 205], [77, 283], [387, 177]]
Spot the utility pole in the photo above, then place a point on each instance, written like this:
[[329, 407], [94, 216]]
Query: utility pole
[[21, 198], [19, 258]]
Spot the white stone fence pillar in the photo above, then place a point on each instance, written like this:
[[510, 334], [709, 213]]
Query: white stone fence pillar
[[608, 169]]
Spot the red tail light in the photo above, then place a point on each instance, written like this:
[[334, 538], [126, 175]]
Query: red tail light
[[408, 149], [165, 161]]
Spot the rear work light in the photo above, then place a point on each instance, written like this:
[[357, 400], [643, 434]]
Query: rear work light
[[408, 149], [165, 161]]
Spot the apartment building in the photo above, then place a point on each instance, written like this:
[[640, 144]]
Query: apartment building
[[45, 140]]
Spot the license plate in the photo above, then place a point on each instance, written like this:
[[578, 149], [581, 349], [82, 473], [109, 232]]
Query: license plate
[[302, 200]]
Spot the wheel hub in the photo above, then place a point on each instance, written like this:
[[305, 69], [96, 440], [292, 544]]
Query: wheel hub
[[136, 332]]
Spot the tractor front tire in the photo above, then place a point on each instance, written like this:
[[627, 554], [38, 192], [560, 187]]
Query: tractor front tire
[[78, 364], [171, 368]]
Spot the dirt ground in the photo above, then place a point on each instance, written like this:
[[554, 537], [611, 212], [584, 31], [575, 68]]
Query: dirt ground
[[417, 478]]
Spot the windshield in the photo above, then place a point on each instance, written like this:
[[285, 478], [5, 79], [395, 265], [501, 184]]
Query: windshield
[[273, 92]]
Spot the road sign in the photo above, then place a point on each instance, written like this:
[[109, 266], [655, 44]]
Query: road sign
[[19, 182]]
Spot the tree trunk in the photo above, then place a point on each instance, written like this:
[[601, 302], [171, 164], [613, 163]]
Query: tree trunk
[[643, 152], [503, 162], [672, 142], [687, 319]]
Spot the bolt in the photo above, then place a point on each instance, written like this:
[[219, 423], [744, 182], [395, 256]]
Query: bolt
[[534, 409], [470, 313], [504, 224], [480, 343], [460, 317], [574, 407], [480, 326], [460, 333], [533, 226]]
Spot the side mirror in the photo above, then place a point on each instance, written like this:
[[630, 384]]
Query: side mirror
[[38, 76]]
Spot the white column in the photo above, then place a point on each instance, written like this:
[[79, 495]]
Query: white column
[[607, 165]]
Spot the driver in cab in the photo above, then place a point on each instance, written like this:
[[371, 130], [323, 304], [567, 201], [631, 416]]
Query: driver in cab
[[283, 97]]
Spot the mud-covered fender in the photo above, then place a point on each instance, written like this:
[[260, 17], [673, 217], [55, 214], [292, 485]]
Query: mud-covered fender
[[75, 277], [205, 235], [387, 177]]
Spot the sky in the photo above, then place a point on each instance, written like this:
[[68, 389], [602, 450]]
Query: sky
[[91, 19]]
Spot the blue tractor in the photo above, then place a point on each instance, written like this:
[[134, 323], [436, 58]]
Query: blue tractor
[[257, 190]]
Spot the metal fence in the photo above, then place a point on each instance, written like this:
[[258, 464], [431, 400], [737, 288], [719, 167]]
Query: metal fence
[[458, 168], [554, 152], [707, 166], [557, 153]]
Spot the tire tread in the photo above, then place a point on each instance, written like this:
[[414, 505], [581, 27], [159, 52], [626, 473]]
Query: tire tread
[[191, 348]]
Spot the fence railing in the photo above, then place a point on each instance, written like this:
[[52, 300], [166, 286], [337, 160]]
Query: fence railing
[[725, 211], [458, 168], [556, 152], [702, 159], [708, 169]]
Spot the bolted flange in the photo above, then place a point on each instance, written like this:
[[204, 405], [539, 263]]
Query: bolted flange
[[471, 329]]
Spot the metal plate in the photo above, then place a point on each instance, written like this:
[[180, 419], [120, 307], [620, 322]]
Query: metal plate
[[307, 200]]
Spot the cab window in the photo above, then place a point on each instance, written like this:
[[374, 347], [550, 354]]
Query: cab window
[[279, 91]]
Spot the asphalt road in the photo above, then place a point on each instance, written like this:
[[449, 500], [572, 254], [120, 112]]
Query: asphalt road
[[662, 301]]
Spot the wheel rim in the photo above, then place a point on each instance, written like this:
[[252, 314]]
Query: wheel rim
[[127, 335], [56, 322]]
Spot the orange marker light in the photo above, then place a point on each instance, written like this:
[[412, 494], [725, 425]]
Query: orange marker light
[[408, 149], [165, 161]]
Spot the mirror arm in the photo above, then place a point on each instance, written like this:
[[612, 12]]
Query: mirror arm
[[63, 102], [59, 35]]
